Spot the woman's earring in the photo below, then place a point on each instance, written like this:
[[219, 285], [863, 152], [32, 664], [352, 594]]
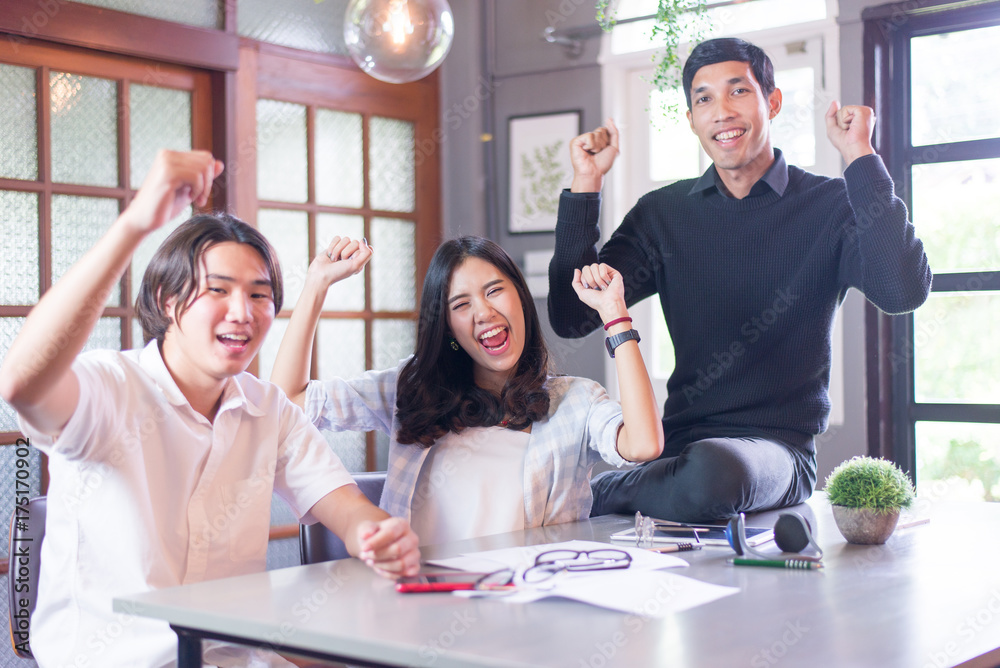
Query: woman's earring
[[454, 344]]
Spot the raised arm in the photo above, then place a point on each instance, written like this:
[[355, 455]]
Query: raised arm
[[641, 437], [592, 155], [886, 261], [36, 376], [343, 257]]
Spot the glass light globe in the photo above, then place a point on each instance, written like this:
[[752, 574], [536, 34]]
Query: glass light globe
[[398, 40]]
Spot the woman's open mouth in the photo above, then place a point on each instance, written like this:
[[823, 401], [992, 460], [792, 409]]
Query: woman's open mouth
[[495, 341]]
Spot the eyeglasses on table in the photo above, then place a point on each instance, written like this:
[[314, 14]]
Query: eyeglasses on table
[[552, 562]]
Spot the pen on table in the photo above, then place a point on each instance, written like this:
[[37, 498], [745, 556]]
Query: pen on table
[[778, 563], [678, 547]]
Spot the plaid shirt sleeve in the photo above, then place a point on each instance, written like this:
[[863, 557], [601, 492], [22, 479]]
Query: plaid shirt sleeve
[[365, 403]]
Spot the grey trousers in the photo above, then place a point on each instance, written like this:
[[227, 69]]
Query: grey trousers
[[710, 479]]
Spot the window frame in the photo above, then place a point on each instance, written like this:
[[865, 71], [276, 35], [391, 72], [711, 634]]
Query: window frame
[[236, 69], [45, 58], [281, 75], [892, 407]]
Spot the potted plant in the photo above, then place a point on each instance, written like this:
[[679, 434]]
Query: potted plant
[[867, 495], [675, 22]]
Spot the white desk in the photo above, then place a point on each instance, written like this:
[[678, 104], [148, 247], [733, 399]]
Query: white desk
[[928, 598]]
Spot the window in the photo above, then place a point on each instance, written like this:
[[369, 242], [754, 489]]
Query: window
[[325, 167], [72, 162], [943, 150]]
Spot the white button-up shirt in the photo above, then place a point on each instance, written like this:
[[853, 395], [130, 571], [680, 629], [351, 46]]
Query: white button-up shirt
[[146, 493]]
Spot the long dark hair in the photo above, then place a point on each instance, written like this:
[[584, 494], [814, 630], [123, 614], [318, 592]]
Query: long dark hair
[[175, 268], [436, 393]]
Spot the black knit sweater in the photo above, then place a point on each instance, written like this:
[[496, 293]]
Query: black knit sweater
[[749, 287]]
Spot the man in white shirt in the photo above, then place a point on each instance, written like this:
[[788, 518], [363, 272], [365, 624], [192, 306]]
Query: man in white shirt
[[162, 461]]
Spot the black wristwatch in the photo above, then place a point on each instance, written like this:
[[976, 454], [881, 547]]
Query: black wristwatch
[[616, 340]]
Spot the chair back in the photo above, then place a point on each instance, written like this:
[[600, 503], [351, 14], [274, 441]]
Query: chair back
[[27, 530], [317, 543]]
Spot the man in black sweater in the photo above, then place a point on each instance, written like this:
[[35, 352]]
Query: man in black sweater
[[750, 262]]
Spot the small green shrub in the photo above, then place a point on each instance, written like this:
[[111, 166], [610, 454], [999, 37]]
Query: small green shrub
[[865, 482]]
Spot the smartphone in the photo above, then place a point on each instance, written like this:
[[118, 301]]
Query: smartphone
[[432, 582]]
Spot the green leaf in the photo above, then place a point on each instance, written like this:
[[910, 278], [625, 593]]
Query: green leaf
[[866, 482]]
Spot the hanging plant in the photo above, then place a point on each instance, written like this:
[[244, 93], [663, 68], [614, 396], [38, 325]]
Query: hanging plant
[[675, 22]]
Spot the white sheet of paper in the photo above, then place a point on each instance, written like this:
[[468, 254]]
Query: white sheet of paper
[[642, 589], [644, 593]]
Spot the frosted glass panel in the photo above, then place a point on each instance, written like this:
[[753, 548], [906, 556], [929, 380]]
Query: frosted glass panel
[[10, 455], [282, 552], [348, 294], [288, 232], [159, 118], [9, 327], [339, 164], [954, 211], [144, 253], [282, 514], [281, 151], [84, 129], [391, 168], [19, 130], [393, 271], [107, 335], [300, 24], [201, 13], [340, 348], [137, 341], [949, 101], [269, 349], [19, 247], [392, 340], [349, 446], [77, 224]]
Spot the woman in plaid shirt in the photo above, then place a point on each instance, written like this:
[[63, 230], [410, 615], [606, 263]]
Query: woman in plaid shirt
[[483, 438]]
